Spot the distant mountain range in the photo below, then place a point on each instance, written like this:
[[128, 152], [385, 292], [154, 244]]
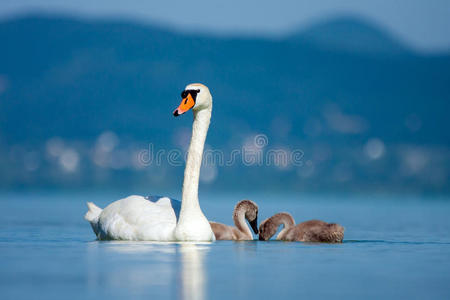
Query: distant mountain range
[[353, 35], [340, 83]]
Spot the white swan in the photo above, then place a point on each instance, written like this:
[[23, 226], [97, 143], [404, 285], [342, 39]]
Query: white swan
[[155, 218]]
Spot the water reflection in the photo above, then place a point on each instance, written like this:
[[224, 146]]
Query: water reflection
[[177, 268], [193, 275], [141, 247], [145, 268]]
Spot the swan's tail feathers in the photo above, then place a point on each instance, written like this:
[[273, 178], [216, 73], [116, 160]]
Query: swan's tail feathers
[[93, 212], [336, 233], [92, 216]]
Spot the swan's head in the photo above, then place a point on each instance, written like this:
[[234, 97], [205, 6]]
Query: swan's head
[[250, 210], [195, 96]]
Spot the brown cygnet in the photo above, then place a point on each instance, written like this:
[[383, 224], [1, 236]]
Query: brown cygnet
[[244, 210], [309, 231]]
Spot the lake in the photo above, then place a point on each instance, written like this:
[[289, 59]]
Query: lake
[[394, 247]]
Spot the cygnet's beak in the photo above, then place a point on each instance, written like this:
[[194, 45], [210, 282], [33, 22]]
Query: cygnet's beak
[[254, 225]]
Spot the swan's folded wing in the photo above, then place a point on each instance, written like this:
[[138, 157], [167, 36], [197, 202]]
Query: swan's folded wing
[[135, 218], [176, 204], [329, 233]]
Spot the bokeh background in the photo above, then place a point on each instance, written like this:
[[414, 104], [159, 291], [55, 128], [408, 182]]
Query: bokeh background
[[361, 87]]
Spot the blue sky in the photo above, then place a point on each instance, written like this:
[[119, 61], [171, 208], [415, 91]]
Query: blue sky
[[425, 25]]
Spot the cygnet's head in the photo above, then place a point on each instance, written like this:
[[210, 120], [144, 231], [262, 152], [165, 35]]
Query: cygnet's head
[[195, 96], [267, 229], [270, 226]]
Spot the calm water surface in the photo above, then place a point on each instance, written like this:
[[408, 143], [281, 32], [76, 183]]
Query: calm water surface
[[394, 248]]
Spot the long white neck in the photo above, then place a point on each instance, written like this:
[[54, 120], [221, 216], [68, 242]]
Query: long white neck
[[200, 126]]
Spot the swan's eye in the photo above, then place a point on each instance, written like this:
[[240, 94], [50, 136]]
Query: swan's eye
[[193, 94]]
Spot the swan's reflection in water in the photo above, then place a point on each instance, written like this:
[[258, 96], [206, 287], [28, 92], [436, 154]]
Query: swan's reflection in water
[[148, 268], [193, 275]]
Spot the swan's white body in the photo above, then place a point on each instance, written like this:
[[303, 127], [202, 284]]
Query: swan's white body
[[137, 218]]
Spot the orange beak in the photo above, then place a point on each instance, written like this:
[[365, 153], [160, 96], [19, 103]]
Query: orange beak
[[185, 105]]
